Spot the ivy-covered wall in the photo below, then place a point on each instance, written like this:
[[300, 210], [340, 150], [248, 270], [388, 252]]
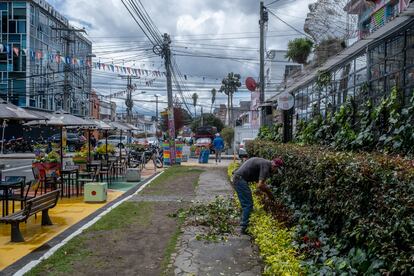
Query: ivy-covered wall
[[387, 127]]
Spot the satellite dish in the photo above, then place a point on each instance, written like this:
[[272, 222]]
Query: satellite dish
[[251, 84]]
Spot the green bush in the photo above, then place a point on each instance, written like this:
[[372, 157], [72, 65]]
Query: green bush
[[354, 211], [387, 127], [270, 133]]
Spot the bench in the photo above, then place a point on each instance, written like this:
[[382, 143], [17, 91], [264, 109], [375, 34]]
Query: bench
[[33, 206]]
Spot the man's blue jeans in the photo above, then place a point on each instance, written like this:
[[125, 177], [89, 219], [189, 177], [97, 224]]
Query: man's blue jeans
[[245, 197]]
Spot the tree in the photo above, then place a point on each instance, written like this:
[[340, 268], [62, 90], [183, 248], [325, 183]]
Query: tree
[[213, 98], [209, 120], [195, 99], [230, 85], [181, 118], [228, 136], [299, 50]]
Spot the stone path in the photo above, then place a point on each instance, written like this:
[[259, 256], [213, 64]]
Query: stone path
[[234, 257]]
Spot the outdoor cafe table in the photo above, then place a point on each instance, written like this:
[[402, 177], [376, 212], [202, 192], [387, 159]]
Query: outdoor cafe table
[[72, 177], [5, 186]]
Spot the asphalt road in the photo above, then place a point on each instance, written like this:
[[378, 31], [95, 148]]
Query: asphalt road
[[18, 167]]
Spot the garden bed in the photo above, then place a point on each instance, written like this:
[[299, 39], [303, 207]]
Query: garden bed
[[353, 213]]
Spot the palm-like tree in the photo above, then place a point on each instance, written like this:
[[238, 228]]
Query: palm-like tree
[[230, 85], [195, 99], [213, 98]]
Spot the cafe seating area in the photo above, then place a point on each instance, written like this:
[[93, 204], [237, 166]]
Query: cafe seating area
[[71, 208]]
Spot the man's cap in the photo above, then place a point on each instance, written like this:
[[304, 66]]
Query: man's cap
[[278, 162]]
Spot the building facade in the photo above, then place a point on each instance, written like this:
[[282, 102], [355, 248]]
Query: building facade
[[374, 14], [107, 110], [371, 67], [44, 62]]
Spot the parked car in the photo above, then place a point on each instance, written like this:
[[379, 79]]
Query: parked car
[[242, 147], [204, 142], [73, 140], [153, 141], [117, 140]]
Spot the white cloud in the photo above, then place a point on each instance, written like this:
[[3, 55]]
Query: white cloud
[[110, 27]]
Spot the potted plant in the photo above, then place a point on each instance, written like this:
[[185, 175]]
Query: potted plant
[[81, 157], [102, 150]]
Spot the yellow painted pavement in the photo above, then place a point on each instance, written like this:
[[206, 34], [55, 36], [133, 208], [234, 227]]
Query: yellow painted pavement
[[67, 213]]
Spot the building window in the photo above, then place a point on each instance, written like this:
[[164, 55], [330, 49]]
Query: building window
[[19, 13]]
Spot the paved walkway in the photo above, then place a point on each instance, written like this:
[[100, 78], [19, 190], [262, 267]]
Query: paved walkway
[[234, 257]]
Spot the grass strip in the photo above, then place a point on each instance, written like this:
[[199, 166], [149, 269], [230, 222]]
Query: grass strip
[[171, 247], [170, 174], [61, 262]]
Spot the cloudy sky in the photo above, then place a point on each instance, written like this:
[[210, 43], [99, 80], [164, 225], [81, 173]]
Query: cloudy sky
[[199, 29]]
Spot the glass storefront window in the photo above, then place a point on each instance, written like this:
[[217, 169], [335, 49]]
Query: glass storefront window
[[393, 80], [377, 54], [409, 76], [395, 63], [395, 45]]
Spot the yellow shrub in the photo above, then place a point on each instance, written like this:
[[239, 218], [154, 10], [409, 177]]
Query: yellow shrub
[[274, 242]]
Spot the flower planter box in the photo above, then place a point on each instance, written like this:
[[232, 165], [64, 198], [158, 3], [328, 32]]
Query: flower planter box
[[80, 160]]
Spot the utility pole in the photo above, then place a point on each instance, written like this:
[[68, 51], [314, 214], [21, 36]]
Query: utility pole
[[156, 107], [66, 87], [202, 117], [264, 17], [128, 102], [166, 51]]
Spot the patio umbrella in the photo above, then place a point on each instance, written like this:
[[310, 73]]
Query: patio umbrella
[[98, 125], [62, 119], [9, 112], [121, 127]]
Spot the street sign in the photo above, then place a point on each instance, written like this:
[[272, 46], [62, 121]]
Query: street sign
[[285, 101]]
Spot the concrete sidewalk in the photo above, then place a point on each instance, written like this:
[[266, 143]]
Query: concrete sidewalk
[[237, 256], [17, 156]]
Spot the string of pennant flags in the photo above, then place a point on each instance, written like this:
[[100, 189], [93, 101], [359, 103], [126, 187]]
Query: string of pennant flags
[[46, 56], [128, 70], [58, 58]]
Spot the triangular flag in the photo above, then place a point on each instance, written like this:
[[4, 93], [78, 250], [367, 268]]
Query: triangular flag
[[1, 48], [32, 55], [103, 66], [139, 71], [129, 70], [113, 68], [8, 49]]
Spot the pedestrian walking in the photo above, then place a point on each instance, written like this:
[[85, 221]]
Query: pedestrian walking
[[93, 141], [253, 170], [218, 145]]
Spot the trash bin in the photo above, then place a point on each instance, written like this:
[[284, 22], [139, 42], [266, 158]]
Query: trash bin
[[133, 175], [95, 192], [204, 155]]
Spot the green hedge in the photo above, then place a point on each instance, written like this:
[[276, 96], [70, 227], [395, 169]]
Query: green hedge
[[354, 212]]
